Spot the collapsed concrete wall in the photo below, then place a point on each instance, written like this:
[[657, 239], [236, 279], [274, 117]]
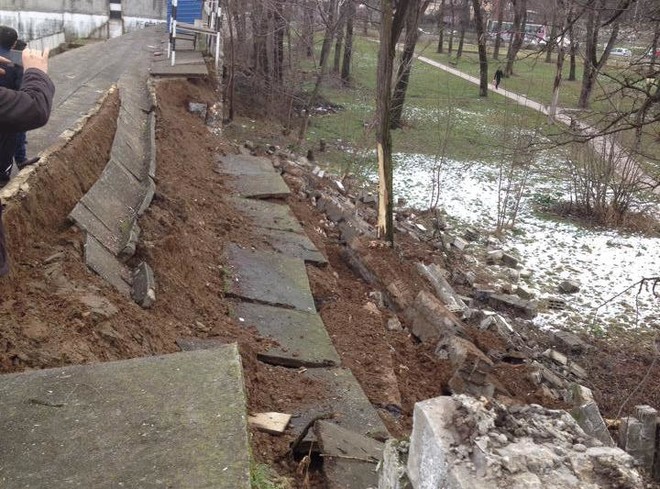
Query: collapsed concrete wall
[[460, 442]]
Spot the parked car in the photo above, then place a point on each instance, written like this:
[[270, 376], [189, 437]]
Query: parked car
[[623, 52]]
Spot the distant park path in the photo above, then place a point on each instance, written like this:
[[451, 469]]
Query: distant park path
[[600, 144]]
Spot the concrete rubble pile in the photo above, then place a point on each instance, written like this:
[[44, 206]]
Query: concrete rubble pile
[[469, 440], [460, 442]]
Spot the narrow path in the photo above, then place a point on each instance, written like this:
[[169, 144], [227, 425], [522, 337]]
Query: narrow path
[[600, 144]]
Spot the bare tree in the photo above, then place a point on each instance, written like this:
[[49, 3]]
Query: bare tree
[[596, 11], [416, 11], [348, 49], [498, 28], [441, 27], [481, 43], [519, 23]]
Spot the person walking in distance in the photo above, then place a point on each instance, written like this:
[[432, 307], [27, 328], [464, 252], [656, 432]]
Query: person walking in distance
[[23, 110], [499, 74]]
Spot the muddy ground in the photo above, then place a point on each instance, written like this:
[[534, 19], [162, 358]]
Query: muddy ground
[[55, 312]]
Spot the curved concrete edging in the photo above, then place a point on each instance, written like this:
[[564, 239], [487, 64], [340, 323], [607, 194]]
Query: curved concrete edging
[[109, 211]]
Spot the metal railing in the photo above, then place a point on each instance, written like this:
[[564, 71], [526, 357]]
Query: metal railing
[[212, 31]]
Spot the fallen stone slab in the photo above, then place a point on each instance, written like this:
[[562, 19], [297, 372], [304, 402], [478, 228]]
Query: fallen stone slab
[[526, 309], [143, 290], [569, 286], [269, 278], [262, 186], [268, 215], [349, 459], [570, 341], [345, 399], [245, 165], [637, 435], [168, 421], [472, 366], [590, 420], [105, 264], [293, 245], [434, 275], [301, 336], [431, 319]]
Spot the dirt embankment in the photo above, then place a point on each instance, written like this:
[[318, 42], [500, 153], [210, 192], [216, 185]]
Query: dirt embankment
[[55, 312]]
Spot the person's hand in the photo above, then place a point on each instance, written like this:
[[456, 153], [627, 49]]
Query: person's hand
[[4, 61], [34, 58]]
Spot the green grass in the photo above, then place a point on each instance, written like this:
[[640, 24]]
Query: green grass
[[263, 476], [443, 115]]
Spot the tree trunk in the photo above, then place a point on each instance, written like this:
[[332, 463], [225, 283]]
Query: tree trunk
[[450, 46], [348, 49], [574, 46], [384, 139], [441, 27], [308, 27], [519, 23], [465, 18], [260, 29], [551, 42], [339, 29], [593, 65], [481, 43], [561, 50], [329, 31], [403, 72], [654, 45], [232, 57], [498, 34], [278, 40]]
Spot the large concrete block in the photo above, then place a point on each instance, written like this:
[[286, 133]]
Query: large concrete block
[[430, 318]]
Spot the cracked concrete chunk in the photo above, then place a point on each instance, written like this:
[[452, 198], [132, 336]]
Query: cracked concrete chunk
[[144, 285]]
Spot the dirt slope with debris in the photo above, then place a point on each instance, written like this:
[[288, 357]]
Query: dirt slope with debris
[[55, 312]]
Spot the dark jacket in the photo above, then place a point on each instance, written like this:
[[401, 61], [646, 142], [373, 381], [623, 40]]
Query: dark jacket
[[13, 72], [23, 110]]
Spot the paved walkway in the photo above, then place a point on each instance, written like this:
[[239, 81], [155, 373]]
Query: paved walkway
[[600, 144], [83, 75]]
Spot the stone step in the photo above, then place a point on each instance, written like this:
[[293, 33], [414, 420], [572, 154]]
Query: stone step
[[168, 421]]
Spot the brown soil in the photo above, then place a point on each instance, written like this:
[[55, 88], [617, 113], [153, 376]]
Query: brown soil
[[45, 322]]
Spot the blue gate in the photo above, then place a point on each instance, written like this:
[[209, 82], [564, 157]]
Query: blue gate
[[186, 10]]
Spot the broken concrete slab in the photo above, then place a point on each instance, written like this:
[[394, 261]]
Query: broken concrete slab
[[526, 309], [349, 459], [509, 260], [88, 222], [392, 472], [433, 273], [189, 69], [301, 336], [472, 366], [637, 435], [244, 165], [345, 399], [261, 186], [168, 421], [460, 442], [268, 215], [269, 278], [569, 286], [570, 341], [104, 263], [590, 420], [293, 245], [144, 285], [430, 319]]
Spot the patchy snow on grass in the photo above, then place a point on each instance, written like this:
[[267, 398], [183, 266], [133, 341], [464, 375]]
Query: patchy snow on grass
[[604, 262]]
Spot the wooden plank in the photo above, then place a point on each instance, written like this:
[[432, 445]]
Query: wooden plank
[[273, 423]]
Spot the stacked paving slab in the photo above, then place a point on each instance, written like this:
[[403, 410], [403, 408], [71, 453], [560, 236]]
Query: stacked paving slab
[[273, 294]]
